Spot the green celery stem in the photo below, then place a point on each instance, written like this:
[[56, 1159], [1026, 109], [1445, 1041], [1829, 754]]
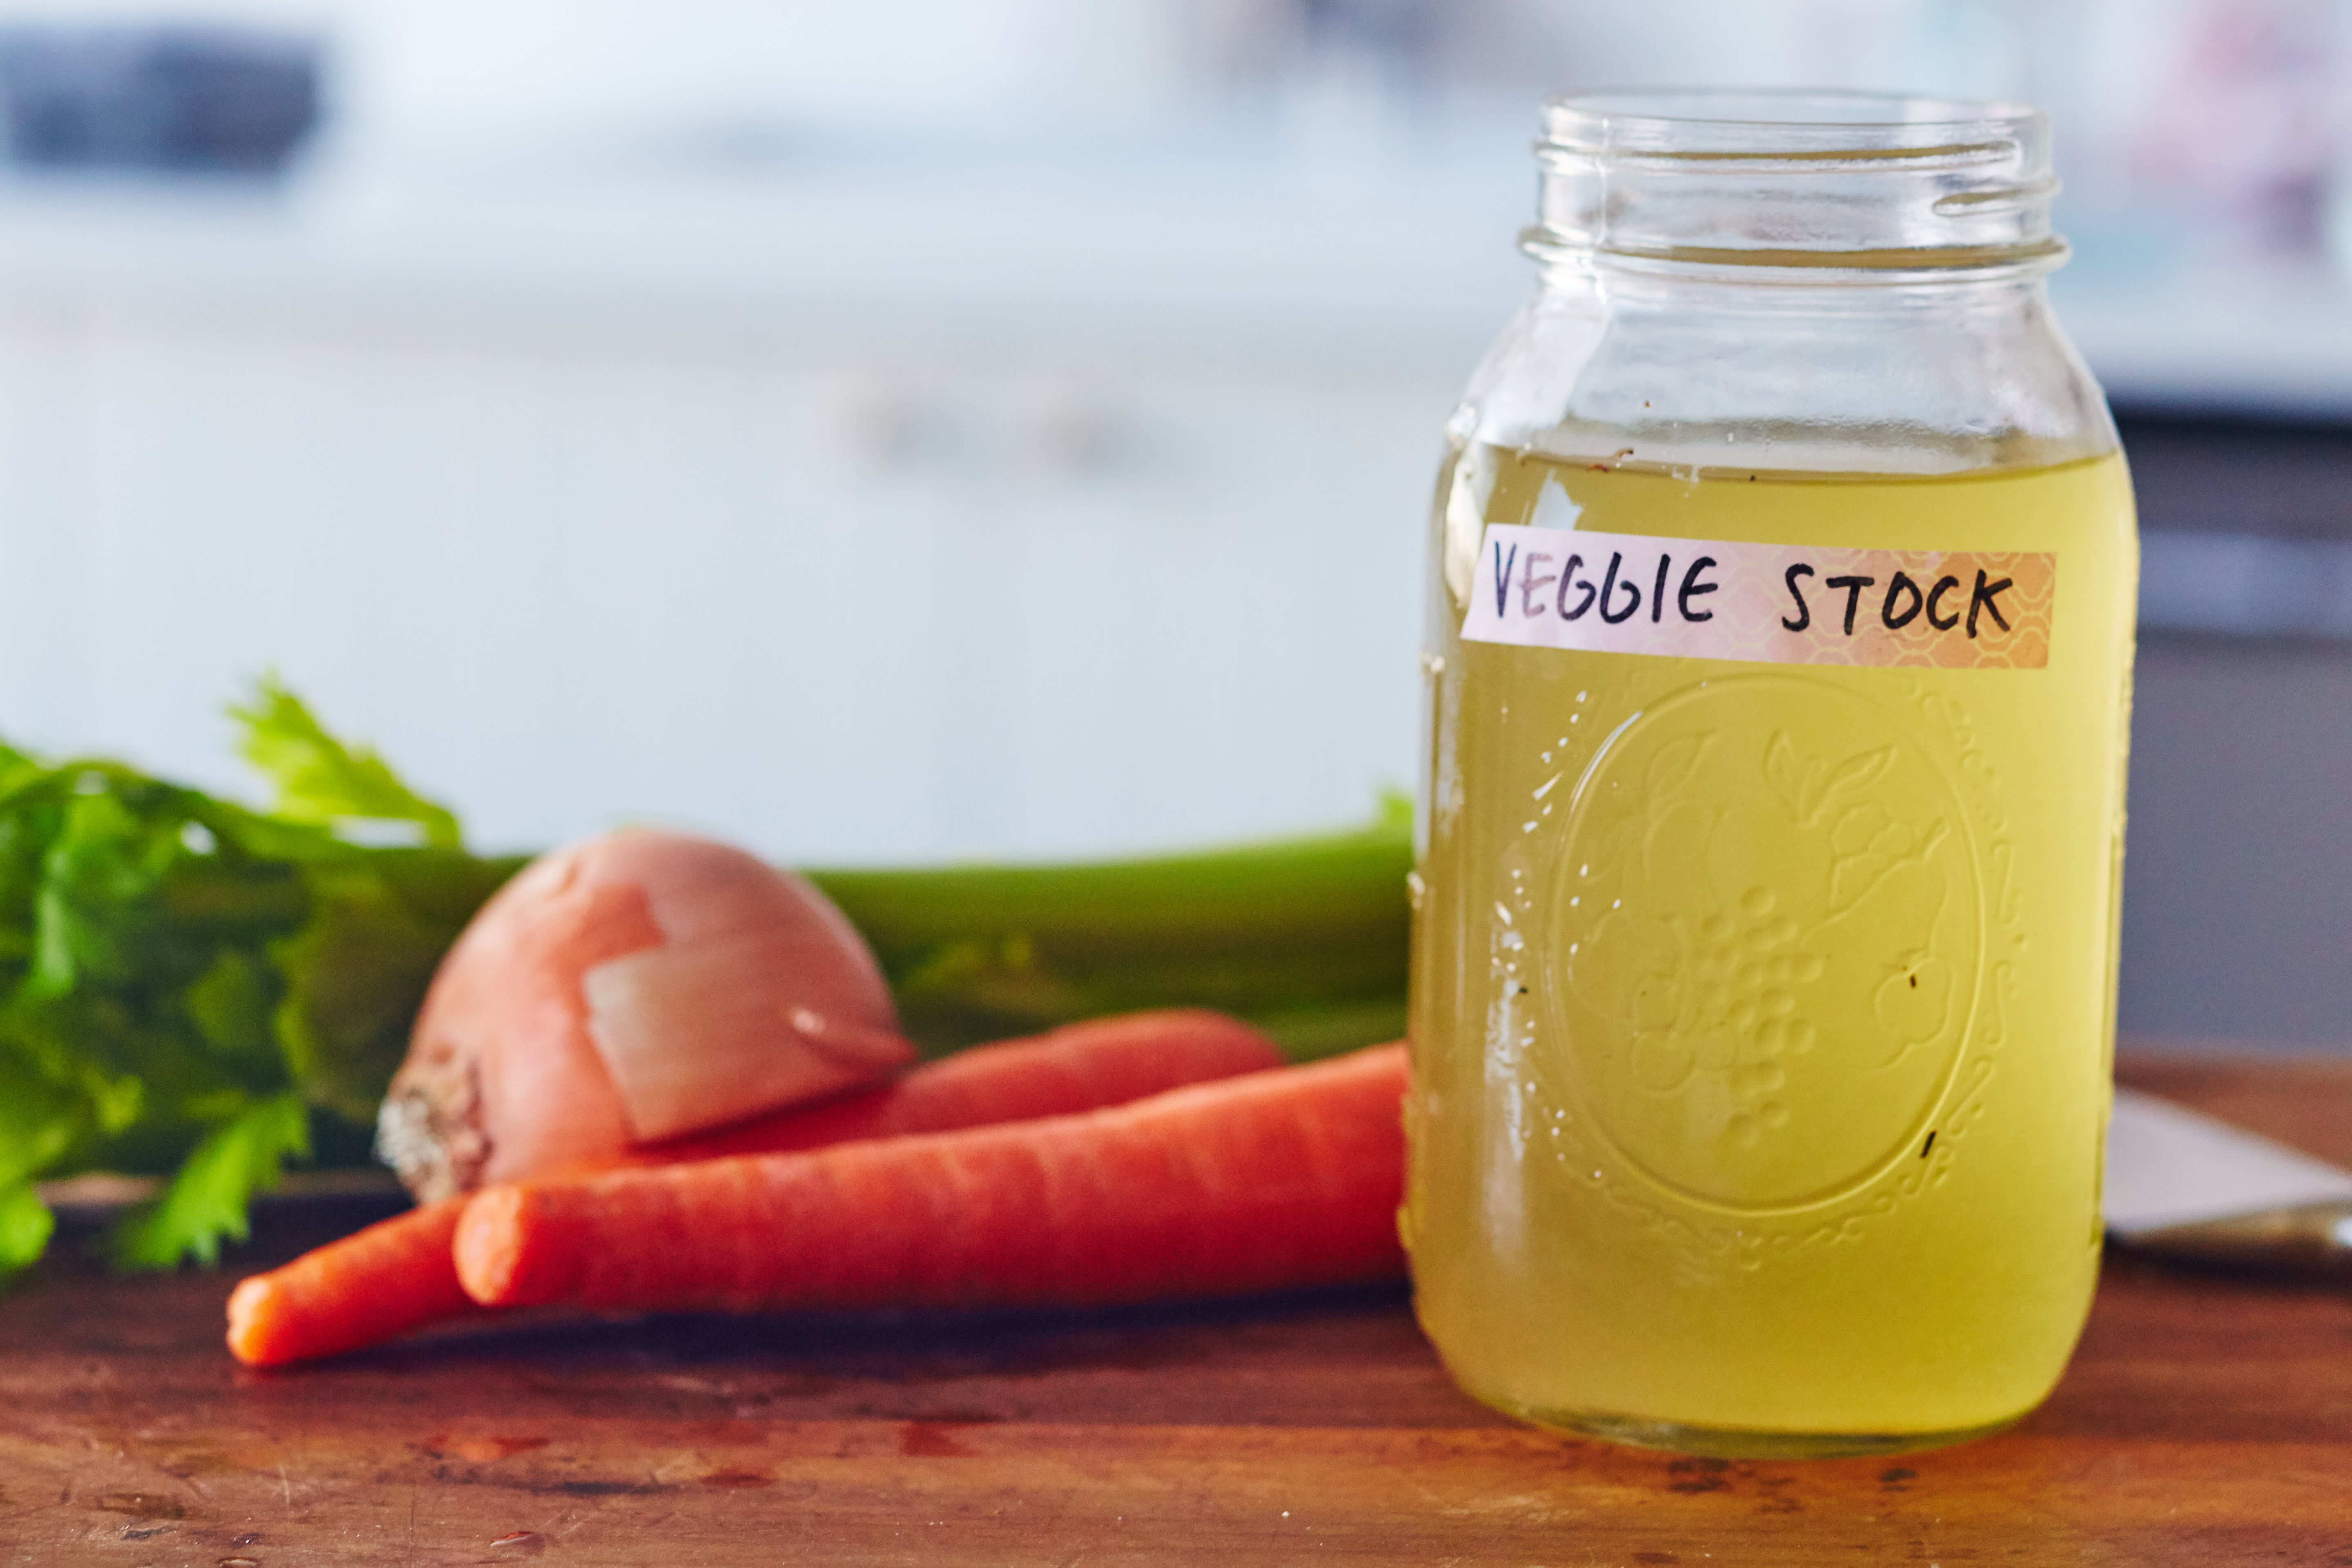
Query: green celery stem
[[1304, 937]]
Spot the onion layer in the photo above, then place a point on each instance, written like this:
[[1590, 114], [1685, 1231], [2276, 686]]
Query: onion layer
[[628, 988]]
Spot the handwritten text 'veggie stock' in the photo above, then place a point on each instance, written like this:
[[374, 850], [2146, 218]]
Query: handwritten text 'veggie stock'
[[1774, 604]]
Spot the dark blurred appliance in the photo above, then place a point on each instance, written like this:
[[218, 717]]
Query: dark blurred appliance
[[166, 99], [2237, 878]]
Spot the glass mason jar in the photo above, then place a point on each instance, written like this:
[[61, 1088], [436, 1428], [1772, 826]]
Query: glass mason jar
[[1780, 657]]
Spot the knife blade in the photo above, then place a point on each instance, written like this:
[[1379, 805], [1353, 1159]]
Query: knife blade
[[2184, 1185]]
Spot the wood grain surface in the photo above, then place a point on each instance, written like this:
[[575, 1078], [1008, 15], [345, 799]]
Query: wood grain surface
[[2205, 1421]]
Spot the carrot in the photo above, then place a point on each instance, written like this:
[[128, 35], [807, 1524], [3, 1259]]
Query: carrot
[[1258, 1182], [1104, 1062], [371, 1286], [398, 1276]]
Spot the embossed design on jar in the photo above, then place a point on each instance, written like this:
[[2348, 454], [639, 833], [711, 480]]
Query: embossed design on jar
[[1763, 942]]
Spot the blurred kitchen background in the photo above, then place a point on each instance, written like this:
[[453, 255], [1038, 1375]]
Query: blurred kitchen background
[[950, 429]]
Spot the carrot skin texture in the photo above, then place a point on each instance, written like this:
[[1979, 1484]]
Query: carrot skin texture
[[399, 1276], [373, 1285], [1264, 1182], [1078, 1067]]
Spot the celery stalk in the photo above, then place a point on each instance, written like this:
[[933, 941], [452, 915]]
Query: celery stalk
[[1304, 937]]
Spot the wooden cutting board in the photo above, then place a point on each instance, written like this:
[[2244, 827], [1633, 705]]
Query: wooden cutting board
[[2205, 1421]]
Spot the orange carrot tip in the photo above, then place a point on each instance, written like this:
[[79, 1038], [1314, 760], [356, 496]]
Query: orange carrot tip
[[1268, 1181], [371, 1286]]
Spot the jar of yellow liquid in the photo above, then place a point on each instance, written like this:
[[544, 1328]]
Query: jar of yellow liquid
[[1779, 661]]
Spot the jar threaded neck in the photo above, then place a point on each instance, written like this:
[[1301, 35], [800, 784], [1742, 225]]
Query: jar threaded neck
[[1861, 181]]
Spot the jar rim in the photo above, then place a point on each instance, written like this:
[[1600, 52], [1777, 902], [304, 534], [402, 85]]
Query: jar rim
[[1876, 183], [1633, 116]]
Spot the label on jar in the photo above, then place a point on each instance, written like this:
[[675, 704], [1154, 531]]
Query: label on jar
[[1768, 604]]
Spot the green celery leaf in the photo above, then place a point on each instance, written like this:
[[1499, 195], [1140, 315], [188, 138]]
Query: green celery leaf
[[231, 1005], [185, 984], [26, 1222], [207, 1200], [356, 976], [94, 914], [323, 780], [41, 1120]]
